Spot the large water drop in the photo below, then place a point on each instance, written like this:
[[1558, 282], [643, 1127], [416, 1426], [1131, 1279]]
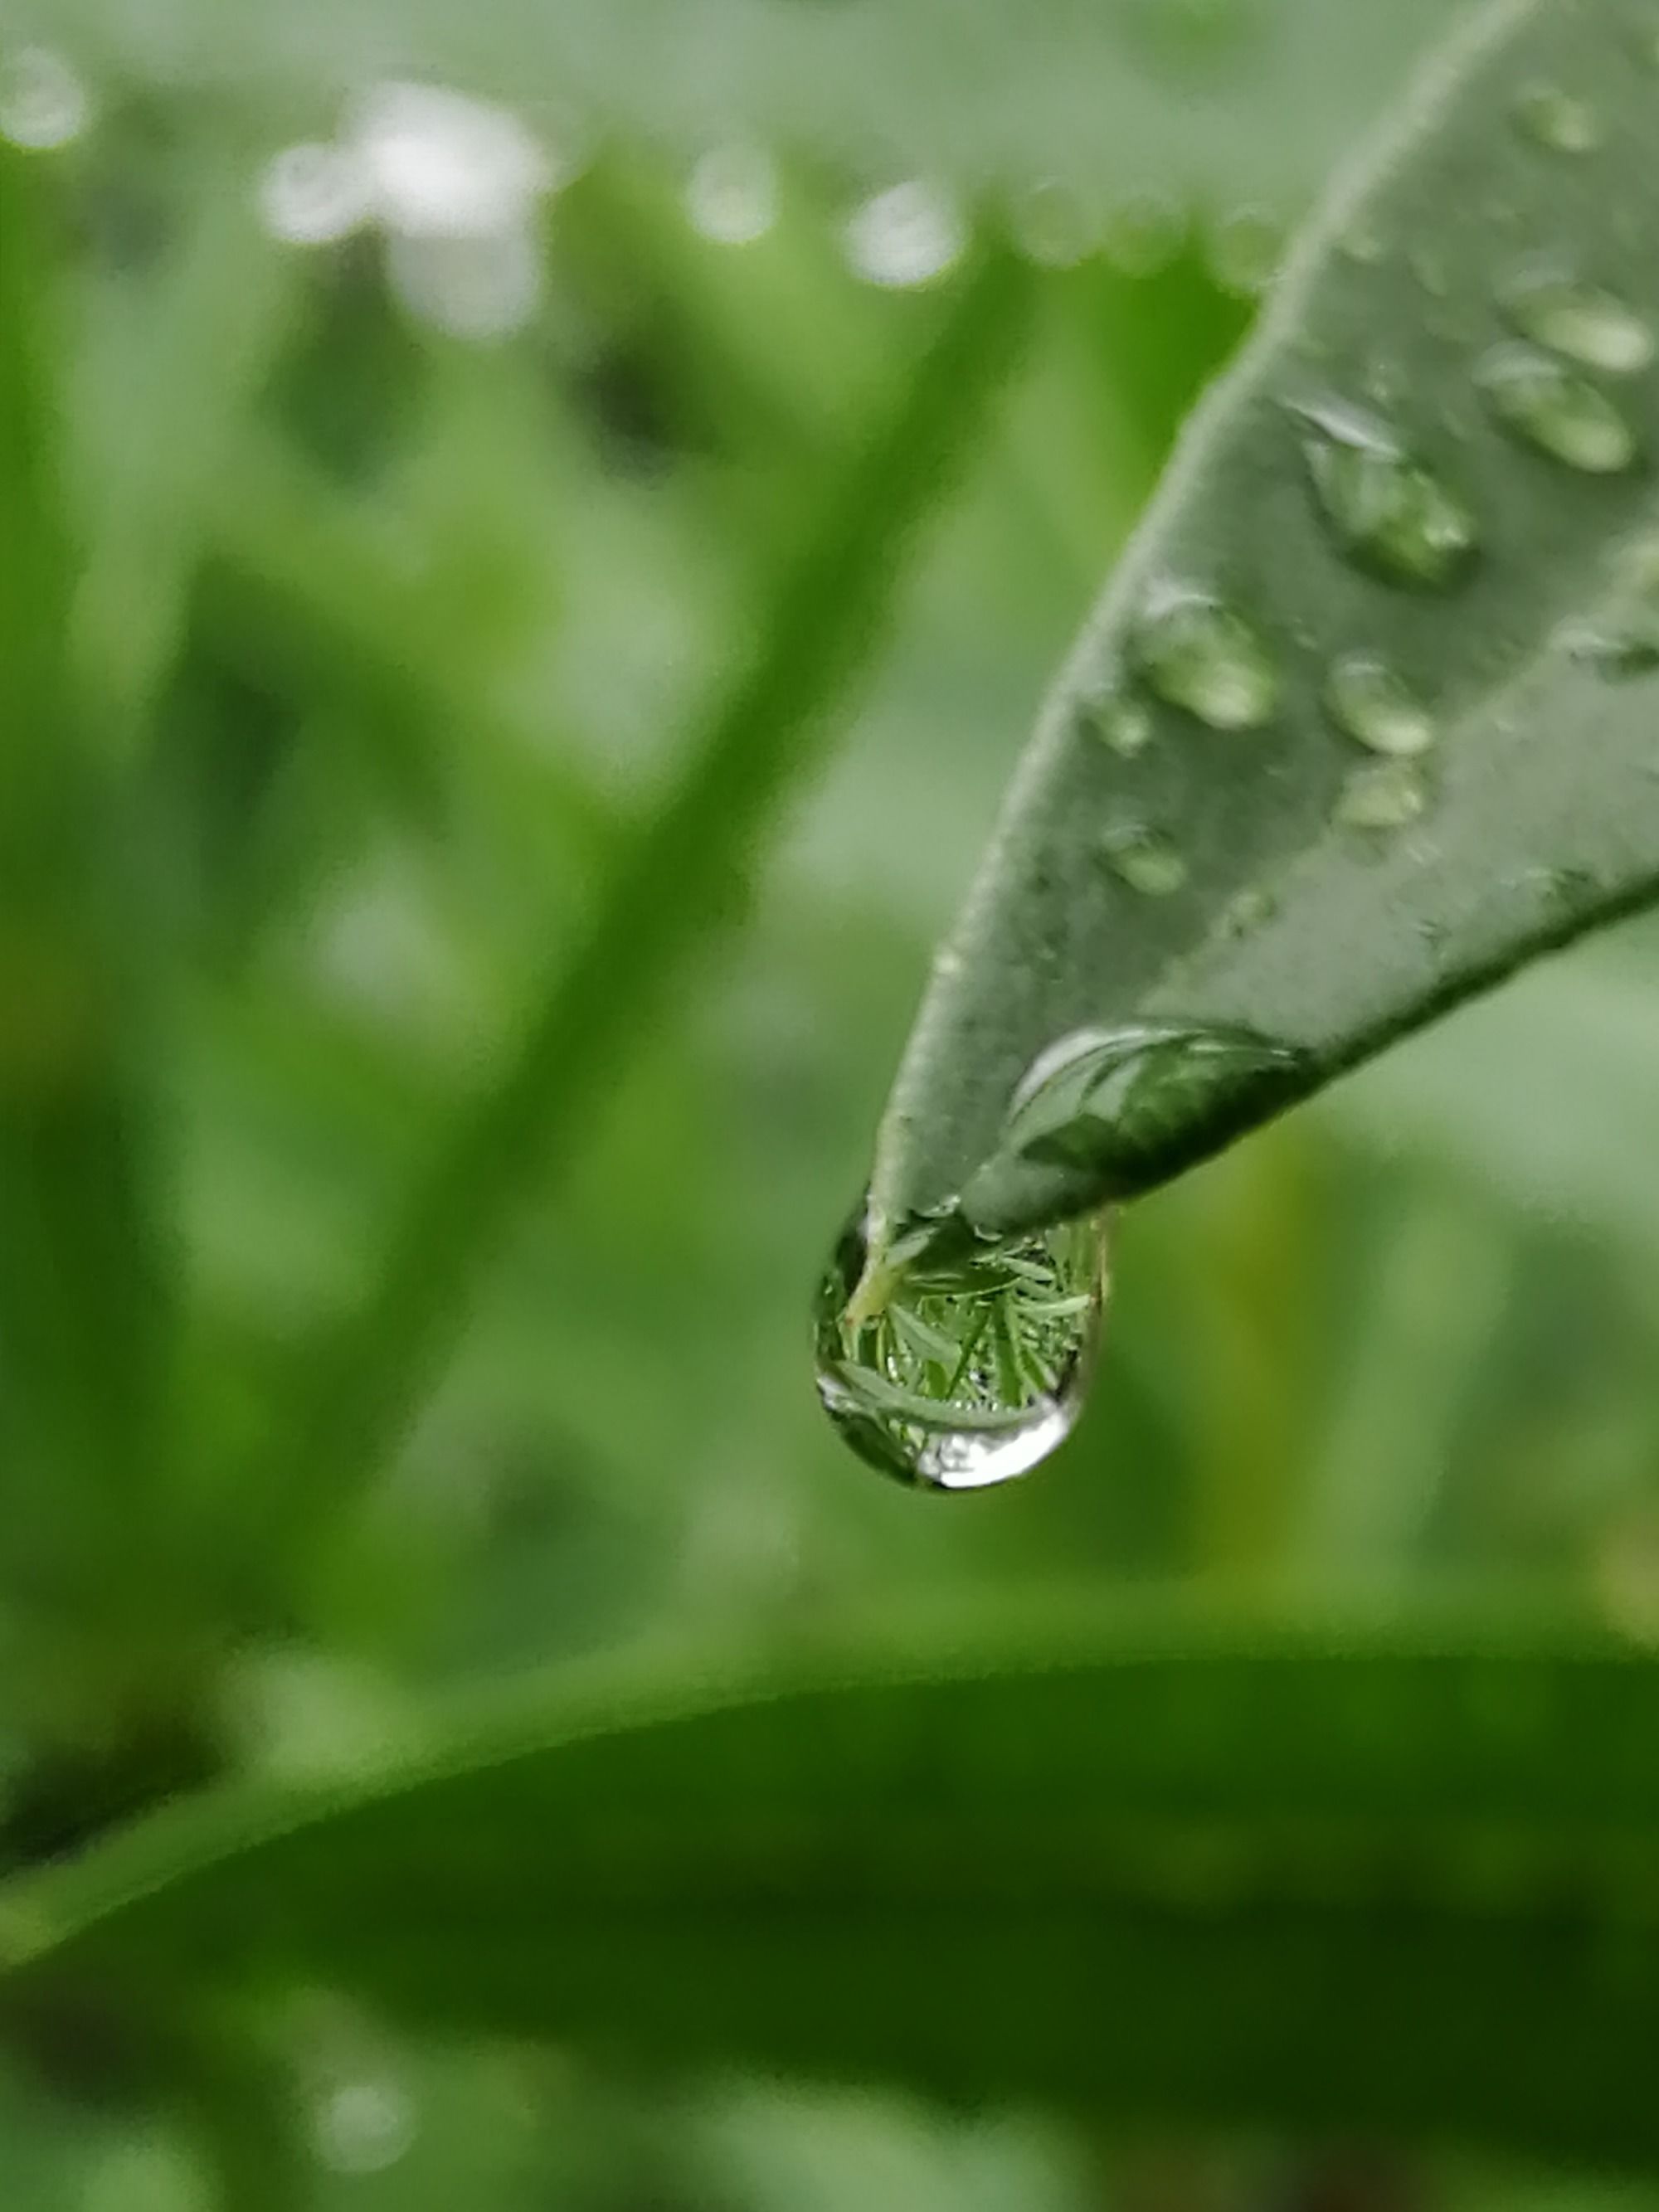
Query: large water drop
[[1556, 412], [960, 1361], [1389, 510], [1200, 656], [1105, 1114]]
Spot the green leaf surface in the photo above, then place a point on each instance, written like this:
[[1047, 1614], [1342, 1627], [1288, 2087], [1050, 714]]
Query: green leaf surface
[[1382, 482], [1396, 1880], [1239, 97]]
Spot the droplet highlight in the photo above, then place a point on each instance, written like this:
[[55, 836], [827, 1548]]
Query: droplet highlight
[[905, 237], [1198, 655], [1105, 1114], [1546, 406], [1588, 324], [1390, 512], [1374, 705], [960, 1361]]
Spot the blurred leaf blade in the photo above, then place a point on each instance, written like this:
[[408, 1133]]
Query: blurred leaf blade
[[1343, 872], [1417, 1864], [80, 1270], [817, 627]]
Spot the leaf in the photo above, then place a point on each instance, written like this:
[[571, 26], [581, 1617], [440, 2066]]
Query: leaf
[[1206, 1873], [1387, 524], [81, 1278], [1248, 97]]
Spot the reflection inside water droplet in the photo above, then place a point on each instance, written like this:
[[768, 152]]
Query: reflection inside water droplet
[[906, 236], [1390, 512], [961, 1361], [1558, 413]]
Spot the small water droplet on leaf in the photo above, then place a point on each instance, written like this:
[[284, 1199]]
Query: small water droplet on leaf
[[1146, 859], [1390, 796], [1390, 512], [1377, 708], [1556, 412], [1200, 656]]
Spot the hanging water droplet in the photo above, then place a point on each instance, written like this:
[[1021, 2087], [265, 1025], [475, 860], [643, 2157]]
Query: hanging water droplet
[[960, 1361], [732, 194], [1146, 859], [1144, 233], [1200, 656], [1377, 708], [905, 236], [1390, 796], [1105, 1114], [1555, 411], [1559, 120], [1580, 320], [44, 103], [1389, 510], [1245, 249], [1121, 722]]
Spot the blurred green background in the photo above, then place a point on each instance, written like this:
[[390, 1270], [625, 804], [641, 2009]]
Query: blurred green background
[[425, 494]]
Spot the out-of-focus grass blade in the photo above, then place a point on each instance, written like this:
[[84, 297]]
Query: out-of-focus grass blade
[[1206, 1875], [811, 634]]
